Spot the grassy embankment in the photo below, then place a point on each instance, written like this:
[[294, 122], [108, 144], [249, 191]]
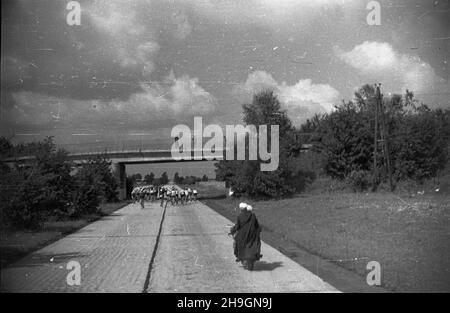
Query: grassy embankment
[[407, 232]]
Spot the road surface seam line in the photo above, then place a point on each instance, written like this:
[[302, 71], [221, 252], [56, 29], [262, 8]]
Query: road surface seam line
[[93, 237], [152, 260], [190, 235]]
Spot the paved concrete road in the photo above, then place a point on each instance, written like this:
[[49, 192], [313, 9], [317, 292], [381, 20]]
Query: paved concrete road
[[114, 254], [194, 254]]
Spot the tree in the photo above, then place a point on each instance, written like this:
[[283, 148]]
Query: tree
[[87, 196], [129, 182], [96, 183], [100, 165], [420, 145], [418, 137], [176, 178], [149, 178], [189, 180], [347, 140], [164, 179], [6, 147], [245, 177], [45, 188]]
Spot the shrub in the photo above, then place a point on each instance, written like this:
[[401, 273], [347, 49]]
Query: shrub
[[88, 195], [189, 180], [30, 195], [149, 178], [359, 180], [164, 179], [245, 176], [418, 137], [177, 179]]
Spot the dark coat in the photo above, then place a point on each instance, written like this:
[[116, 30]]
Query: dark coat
[[247, 239]]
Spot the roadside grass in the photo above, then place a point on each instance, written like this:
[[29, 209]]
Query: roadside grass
[[15, 244], [407, 232]]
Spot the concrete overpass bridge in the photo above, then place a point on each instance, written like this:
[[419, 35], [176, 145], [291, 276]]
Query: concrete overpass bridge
[[119, 159]]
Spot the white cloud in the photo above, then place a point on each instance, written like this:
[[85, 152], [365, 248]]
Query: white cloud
[[187, 93], [369, 56], [259, 80], [176, 98], [301, 100], [305, 91], [379, 62], [132, 41]]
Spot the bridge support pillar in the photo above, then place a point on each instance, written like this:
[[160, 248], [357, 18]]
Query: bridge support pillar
[[119, 171]]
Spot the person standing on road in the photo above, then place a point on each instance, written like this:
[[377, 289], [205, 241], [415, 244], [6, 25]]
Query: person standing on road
[[142, 195], [194, 192], [153, 194], [162, 194], [134, 195], [242, 206], [168, 196], [173, 196], [247, 237], [179, 191], [183, 196]]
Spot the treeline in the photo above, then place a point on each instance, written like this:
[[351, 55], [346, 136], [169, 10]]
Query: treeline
[[150, 179], [418, 140], [51, 186], [188, 180]]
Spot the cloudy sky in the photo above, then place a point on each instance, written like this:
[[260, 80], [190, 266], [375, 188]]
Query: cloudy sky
[[134, 69]]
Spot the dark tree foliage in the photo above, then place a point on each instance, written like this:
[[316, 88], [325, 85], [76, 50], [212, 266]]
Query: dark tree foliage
[[149, 178], [129, 182], [245, 177], [95, 183], [177, 179], [189, 180], [420, 143], [6, 147], [164, 179], [47, 187], [418, 137], [347, 139], [44, 188]]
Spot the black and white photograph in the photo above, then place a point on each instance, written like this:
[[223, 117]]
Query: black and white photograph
[[225, 151]]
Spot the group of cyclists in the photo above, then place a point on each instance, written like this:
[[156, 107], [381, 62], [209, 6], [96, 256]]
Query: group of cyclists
[[165, 194]]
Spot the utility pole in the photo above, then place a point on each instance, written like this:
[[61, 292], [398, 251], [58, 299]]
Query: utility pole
[[384, 141], [375, 149]]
